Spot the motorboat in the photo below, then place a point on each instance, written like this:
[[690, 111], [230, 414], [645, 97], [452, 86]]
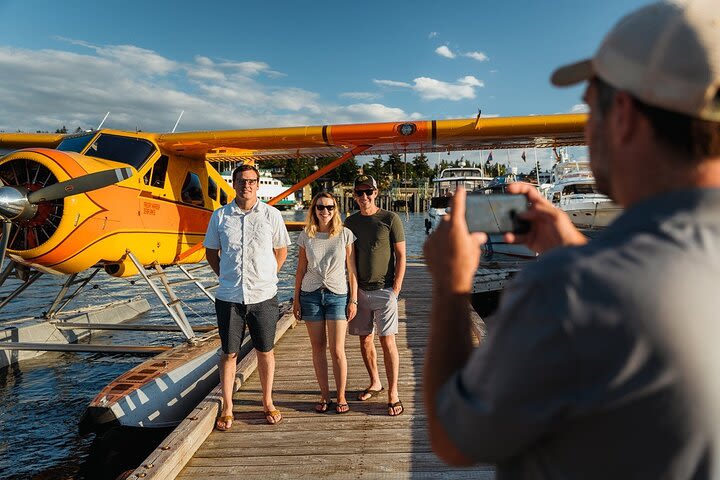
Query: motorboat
[[572, 189]]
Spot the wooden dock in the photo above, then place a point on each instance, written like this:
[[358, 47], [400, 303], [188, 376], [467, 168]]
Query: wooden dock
[[363, 443]]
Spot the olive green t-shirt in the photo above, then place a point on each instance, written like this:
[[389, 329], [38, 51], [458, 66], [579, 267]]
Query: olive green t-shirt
[[374, 253]]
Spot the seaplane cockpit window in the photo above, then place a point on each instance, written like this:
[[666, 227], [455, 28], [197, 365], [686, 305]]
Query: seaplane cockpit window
[[133, 151], [192, 190], [76, 143], [212, 189], [223, 197]]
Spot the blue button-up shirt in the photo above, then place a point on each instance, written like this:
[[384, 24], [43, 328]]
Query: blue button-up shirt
[[248, 269]]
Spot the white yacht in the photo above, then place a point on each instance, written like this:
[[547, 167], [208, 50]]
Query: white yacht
[[572, 189], [268, 189]]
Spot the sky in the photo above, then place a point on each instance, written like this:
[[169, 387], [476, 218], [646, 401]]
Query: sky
[[254, 64]]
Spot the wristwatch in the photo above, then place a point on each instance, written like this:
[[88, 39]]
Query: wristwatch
[[354, 301]]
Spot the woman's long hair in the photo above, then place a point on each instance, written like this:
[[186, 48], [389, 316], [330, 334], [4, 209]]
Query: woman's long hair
[[311, 222]]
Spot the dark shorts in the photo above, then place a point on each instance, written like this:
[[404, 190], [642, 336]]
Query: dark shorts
[[322, 304], [261, 319]]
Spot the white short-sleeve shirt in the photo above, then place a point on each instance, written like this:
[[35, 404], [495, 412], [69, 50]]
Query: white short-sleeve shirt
[[248, 269]]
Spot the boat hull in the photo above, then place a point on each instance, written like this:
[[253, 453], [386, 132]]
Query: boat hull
[[158, 393], [593, 215]]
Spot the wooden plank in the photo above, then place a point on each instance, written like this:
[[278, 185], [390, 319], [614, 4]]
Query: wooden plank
[[175, 451]]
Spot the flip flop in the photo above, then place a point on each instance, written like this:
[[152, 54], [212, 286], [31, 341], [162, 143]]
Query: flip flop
[[370, 394], [392, 406], [322, 407], [341, 408], [224, 423], [273, 417]]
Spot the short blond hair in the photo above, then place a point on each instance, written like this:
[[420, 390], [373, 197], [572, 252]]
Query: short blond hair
[[311, 221]]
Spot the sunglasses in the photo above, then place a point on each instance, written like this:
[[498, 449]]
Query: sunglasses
[[367, 193], [246, 181], [329, 208]]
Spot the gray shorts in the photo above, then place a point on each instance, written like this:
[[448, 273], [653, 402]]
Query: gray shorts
[[261, 319], [377, 312]]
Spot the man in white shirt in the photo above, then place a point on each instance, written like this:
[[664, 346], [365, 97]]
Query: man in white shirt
[[253, 240]]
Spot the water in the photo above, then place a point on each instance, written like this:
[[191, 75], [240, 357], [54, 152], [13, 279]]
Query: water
[[41, 400]]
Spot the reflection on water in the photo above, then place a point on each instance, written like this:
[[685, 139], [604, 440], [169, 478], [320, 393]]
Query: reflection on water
[[42, 400]]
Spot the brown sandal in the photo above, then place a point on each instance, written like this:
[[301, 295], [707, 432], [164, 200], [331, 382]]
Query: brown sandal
[[393, 406], [224, 423], [273, 417]]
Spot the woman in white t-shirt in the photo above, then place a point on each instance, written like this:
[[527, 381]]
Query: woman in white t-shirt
[[322, 297]]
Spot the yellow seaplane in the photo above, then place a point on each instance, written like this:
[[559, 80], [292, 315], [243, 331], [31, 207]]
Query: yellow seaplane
[[127, 202]]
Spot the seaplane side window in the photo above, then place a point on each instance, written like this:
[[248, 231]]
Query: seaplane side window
[[76, 143], [192, 190], [158, 172], [212, 189], [223, 197], [132, 151]]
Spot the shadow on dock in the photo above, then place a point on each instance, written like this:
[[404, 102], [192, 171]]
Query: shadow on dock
[[365, 442]]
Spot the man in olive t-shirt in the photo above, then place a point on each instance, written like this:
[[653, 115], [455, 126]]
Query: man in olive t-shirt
[[380, 261]]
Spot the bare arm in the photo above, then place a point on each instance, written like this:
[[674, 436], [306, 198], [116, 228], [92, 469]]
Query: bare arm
[[352, 280], [213, 258], [400, 263], [452, 255], [299, 275], [550, 227], [280, 256]]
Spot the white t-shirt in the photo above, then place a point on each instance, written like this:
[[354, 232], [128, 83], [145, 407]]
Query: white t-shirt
[[326, 261]]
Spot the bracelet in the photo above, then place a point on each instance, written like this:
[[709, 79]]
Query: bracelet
[[354, 301]]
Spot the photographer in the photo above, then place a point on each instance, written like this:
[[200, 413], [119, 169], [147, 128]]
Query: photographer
[[573, 380]]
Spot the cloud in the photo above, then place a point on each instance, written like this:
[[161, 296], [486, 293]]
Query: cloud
[[479, 56], [432, 89], [46, 89], [444, 51], [432, 34], [580, 108], [392, 83]]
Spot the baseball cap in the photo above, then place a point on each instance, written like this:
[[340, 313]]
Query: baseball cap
[[366, 180], [666, 54]]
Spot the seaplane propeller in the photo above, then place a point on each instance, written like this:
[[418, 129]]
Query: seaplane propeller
[[31, 205]]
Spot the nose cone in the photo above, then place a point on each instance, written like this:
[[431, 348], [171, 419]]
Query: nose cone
[[14, 204]]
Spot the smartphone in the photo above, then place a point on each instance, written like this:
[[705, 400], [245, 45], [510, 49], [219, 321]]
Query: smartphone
[[496, 213]]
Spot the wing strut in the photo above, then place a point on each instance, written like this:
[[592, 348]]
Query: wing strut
[[330, 166]]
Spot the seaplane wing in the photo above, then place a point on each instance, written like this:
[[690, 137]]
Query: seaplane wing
[[379, 138], [69, 202], [14, 141]]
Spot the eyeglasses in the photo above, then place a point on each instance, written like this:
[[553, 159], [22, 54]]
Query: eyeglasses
[[246, 181], [360, 193], [329, 208]]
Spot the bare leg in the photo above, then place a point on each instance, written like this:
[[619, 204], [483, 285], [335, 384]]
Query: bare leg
[[367, 348], [266, 369], [318, 342], [228, 367], [336, 334], [392, 367]]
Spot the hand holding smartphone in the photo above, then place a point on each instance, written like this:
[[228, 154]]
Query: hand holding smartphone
[[496, 213]]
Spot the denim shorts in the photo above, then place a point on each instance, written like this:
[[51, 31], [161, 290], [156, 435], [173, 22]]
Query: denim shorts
[[322, 304]]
